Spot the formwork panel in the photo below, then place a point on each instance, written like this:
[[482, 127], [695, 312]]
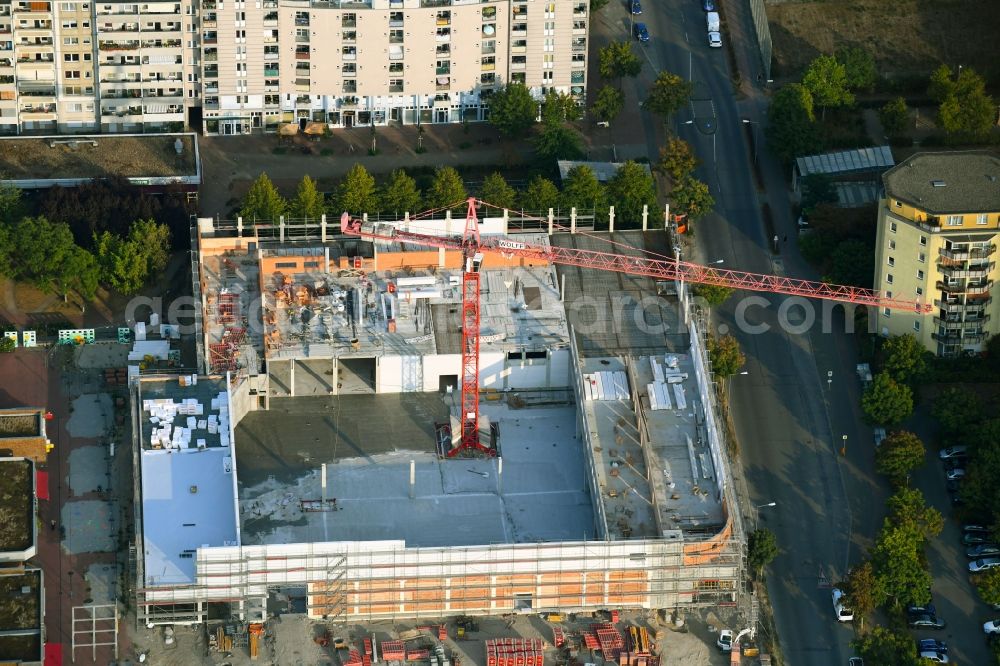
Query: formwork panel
[[594, 582]]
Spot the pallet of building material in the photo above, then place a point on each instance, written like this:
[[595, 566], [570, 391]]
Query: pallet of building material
[[353, 658], [590, 641], [417, 655], [367, 643], [558, 637], [442, 632], [393, 650], [638, 641]]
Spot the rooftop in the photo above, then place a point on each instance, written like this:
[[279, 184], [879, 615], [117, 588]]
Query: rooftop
[[367, 443], [17, 505], [846, 162], [20, 423], [21, 616], [603, 171], [950, 182], [188, 474], [87, 157]]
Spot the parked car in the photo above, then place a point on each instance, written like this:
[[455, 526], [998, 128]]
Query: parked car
[[843, 614], [708, 5], [855, 661], [953, 486], [953, 452], [983, 550], [934, 657], [926, 621], [636, 7], [715, 40], [725, 641], [955, 474], [973, 527], [931, 644], [973, 538], [880, 436], [640, 31], [992, 627], [984, 563], [929, 609]]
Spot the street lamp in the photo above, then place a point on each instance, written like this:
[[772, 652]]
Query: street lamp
[[753, 128], [757, 512], [843, 448]]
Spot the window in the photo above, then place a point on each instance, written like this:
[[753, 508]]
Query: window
[[71, 57], [396, 85], [350, 68], [70, 41], [920, 275], [923, 241], [396, 36], [898, 203], [982, 218], [916, 326], [888, 278], [350, 36], [72, 74], [954, 220], [395, 68], [892, 227], [892, 261], [886, 312], [892, 245], [351, 20], [921, 257], [920, 291]]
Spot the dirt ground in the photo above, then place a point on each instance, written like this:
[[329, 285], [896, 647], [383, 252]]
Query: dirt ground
[[907, 37], [23, 158], [291, 641]]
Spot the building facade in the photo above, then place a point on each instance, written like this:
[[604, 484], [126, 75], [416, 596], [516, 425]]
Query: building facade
[[938, 224], [234, 66]]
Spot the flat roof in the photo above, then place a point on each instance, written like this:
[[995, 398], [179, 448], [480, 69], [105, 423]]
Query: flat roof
[[859, 160], [20, 423], [21, 615], [41, 161], [17, 504], [163, 400], [949, 182], [187, 502], [367, 443], [311, 316]]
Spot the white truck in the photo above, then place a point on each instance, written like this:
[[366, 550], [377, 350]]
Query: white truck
[[712, 21]]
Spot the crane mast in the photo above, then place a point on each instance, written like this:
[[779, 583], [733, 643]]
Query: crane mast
[[473, 247]]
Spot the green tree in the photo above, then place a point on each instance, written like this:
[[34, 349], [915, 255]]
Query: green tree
[[677, 160], [859, 67], [863, 592], [851, 263], [907, 508], [12, 206], [894, 116], [357, 193], [558, 108], [725, 354], [668, 93], [899, 454], [956, 408], [496, 191], [263, 203], [691, 197], [817, 188], [899, 564], [82, 273], [713, 294], [558, 142], [154, 239], [988, 585], [446, 189], [886, 402], [308, 202], [967, 111], [941, 85], [791, 125], [400, 194], [512, 110], [608, 103], [44, 254], [826, 79], [7, 345], [980, 487], [886, 646], [540, 195], [629, 190], [123, 263], [582, 189], [904, 357], [617, 60], [762, 548]]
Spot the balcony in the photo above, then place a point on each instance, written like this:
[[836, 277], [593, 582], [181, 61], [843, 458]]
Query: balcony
[[443, 49], [6, 79], [489, 48], [396, 88], [973, 272], [38, 108], [580, 9], [270, 72], [34, 43], [301, 39], [302, 22], [961, 288], [108, 45], [209, 21], [442, 71], [130, 93], [579, 45], [353, 23], [33, 8], [40, 59], [576, 77], [210, 57], [488, 67], [211, 72], [434, 3], [162, 44], [442, 83], [210, 38], [119, 27]]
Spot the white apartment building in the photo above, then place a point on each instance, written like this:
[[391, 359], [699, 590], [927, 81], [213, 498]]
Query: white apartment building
[[237, 66]]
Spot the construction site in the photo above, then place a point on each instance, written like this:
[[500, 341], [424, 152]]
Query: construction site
[[368, 440]]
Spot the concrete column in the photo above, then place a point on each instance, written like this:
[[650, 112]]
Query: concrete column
[[322, 236], [281, 228], [645, 217], [441, 257], [572, 220], [413, 478], [267, 385], [666, 216], [562, 288], [239, 226], [333, 382], [611, 219], [552, 217], [326, 254], [364, 217], [291, 380], [506, 221]]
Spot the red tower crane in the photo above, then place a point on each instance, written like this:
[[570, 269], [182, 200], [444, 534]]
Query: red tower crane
[[472, 248]]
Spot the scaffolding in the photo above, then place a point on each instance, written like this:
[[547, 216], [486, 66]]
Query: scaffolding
[[224, 356]]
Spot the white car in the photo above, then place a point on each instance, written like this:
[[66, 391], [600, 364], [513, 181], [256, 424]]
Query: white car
[[934, 656], [843, 614], [984, 563], [880, 436], [992, 627], [953, 452], [715, 40], [955, 474], [725, 642]]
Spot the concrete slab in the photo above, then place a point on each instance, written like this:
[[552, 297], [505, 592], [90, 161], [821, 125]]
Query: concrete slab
[[92, 415], [102, 579], [103, 355], [89, 526], [88, 470]]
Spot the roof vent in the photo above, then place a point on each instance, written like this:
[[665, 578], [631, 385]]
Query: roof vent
[[938, 183]]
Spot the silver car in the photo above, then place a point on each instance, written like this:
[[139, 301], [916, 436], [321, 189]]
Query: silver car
[[984, 563]]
